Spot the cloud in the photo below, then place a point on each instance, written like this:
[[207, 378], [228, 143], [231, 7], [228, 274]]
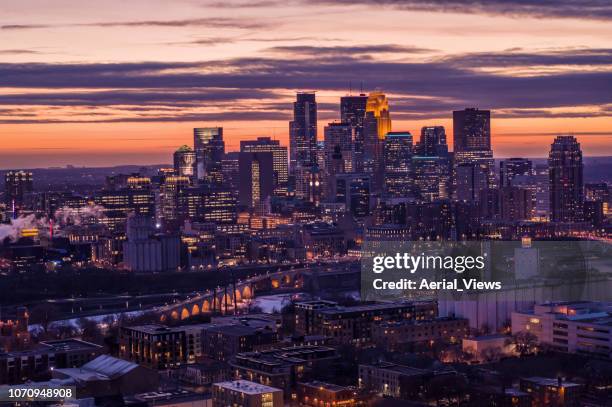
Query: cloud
[[216, 22], [18, 52], [351, 51], [150, 98], [584, 9], [244, 4], [259, 88], [23, 26], [513, 58]]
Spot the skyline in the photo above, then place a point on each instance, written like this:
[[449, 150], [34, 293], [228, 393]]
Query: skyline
[[154, 73]]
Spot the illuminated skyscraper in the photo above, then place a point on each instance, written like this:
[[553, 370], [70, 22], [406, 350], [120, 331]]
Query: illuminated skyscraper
[[185, 161], [339, 139], [433, 142], [303, 131], [378, 106], [471, 180], [510, 168], [472, 130], [431, 177], [279, 158], [566, 180], [352, 111], [472, 144], [398, 174], [256, 179], [209, 148], [377, 124]]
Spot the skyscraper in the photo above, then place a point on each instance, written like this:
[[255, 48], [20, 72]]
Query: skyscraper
[[433, 142], [377, 124], [472, 143], [471, 180], [472, 130], [431, 177], [185, 161], [398, 175], [353, 111], [566, 180], [17, 185], [256, 179], [303, 131], [510, 168], [279, 158], [339, 139], [209, 148]]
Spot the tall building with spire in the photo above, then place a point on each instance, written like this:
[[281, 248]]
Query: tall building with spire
[[377, 124], [565, 169]]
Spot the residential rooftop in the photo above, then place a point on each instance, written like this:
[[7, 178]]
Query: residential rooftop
[[247, 387]]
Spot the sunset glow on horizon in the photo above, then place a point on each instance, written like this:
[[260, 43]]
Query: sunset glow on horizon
[[127, 82]]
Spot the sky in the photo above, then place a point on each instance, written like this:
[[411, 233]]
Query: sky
[[125, 82]]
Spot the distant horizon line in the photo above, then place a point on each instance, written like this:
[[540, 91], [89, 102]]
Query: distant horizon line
[[71, 166]]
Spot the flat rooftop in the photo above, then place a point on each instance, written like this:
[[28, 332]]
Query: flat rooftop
[[67, 345], [247, 387]]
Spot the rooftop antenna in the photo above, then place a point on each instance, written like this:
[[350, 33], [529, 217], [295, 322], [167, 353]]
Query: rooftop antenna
[[350, 88], [361, 87]]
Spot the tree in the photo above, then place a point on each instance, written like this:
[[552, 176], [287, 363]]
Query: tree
[[525, 343], [44, 314]]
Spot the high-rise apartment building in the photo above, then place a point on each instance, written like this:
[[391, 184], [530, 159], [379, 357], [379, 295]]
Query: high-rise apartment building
[[566, 180]]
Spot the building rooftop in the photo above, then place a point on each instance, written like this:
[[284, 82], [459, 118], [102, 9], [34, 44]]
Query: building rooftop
[[323, 385], [247, 387], [109, 366], [67, 345], [366, 307], [547, 381], [405, 370], [170, 396]]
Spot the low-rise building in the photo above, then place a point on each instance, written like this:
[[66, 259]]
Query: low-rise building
[[158, 346], [169, 398], [206, 372], [317, 394], [552, 392], [37, 363], [221, 342], [283, 367], [246, 394], [108, 376], [488, 348], [395, 334], [576, 327], [398, 381], [353, 324]]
